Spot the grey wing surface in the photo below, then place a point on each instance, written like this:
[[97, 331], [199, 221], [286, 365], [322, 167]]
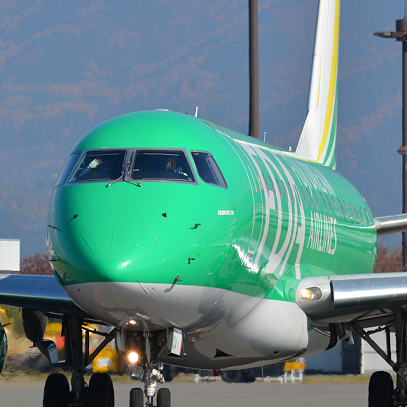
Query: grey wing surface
[[38, 292]]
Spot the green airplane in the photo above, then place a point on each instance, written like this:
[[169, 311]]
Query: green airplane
[[3, 348], [197, 246]]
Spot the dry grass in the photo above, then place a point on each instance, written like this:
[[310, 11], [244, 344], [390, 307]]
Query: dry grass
[[20, 377], [336, 379]]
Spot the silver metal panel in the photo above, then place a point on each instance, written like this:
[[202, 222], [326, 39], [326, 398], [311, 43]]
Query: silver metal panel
[[391, 224], [250, 330], [353, 293], [371, 298]]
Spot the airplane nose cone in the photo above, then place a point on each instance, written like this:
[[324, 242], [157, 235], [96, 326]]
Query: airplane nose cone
[[118, 250]]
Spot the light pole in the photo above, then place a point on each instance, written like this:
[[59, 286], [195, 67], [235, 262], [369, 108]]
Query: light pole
[[401, 35], [254, 125]]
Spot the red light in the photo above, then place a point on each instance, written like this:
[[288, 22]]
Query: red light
[[216, 372]]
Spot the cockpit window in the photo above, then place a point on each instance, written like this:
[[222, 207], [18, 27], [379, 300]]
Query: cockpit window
[[167, 165], [208, 169], [70, 162], [99, 165]]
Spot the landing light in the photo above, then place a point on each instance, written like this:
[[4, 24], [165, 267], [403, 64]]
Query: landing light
[[311, 294], [132, 322], [133, 357]]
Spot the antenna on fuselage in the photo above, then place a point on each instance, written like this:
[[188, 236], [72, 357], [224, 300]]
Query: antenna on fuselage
[[254, 69], [196, 112]]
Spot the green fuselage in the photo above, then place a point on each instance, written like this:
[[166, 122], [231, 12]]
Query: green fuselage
[[3, 348], [278, 219]]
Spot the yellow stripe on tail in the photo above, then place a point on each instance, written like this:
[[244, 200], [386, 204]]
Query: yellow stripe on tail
[[318, 137]]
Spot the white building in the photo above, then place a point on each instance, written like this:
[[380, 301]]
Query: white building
[[9, 256], [359, 358]]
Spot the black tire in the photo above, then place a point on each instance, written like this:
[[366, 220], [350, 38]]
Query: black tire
[[164, 398], [56, 391], [237, 376], [136, 397], [247, 377], [231, 376], [168, 373], [380, 390], [101, 392]]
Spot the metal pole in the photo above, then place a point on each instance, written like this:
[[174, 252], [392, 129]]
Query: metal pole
[[401, 35], [254, 69], [401, 27], [404, 156]]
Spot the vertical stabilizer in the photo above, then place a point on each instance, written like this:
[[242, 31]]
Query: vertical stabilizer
[[318, 137]]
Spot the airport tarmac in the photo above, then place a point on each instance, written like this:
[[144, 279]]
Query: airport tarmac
[[219, 394]]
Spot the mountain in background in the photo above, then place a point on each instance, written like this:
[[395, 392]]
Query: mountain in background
[[66, 67]]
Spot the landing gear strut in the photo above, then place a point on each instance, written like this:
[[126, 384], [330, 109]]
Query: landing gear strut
[[100, 391], [151, 346], [381, 389]]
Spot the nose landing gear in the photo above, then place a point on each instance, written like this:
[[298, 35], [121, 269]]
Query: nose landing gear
[[149, 370], [137, 398]]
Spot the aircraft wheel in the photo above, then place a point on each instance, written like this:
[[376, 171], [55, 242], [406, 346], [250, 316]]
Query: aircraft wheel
[[164, 398], [231, 376], [101, 392], [168, 373], [247, 377], [136, 397], [380, 390], [56, 391]]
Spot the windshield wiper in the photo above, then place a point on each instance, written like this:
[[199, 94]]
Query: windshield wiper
[[134, 182], [108, 185], [121, 176]]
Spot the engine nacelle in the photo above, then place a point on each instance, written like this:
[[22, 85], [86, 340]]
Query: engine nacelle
[[3, 348], [34, 324]]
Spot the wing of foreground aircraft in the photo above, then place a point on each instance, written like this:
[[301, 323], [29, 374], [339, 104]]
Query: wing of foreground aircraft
[[391, 224], [42, 293], [358, 300], [39, 297], [360, 303]]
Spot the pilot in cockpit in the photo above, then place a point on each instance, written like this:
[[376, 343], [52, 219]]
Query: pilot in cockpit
[[101, 168], [170, 164]]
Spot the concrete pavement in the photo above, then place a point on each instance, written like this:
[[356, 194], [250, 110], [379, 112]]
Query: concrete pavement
[[213, 394]]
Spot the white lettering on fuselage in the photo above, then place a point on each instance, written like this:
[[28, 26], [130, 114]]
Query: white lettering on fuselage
[[290, 228], [293, 231], [311, 177], [226, 213], [322, 233]]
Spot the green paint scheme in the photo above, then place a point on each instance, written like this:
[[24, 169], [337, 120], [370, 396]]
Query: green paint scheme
[[3, 348], [242, 244]]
